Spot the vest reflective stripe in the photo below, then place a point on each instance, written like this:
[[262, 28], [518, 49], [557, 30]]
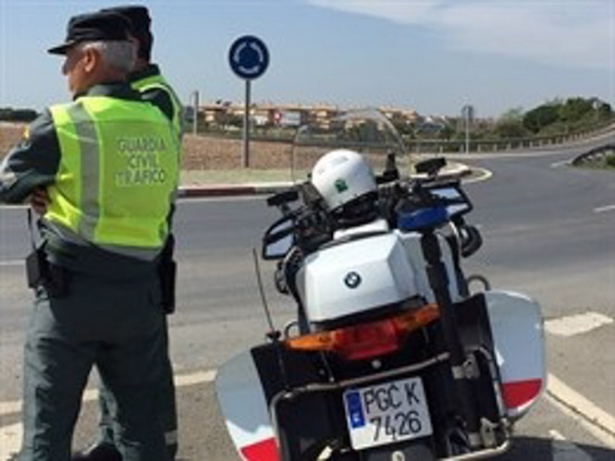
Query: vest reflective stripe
[[90, 153], [65, 193], [159, 82], [118, 168]]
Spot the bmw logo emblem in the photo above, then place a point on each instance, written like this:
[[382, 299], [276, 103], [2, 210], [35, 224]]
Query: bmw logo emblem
[[352, 280]]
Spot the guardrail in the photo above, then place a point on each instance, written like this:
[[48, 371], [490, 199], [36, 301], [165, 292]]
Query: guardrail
[[441, 147]]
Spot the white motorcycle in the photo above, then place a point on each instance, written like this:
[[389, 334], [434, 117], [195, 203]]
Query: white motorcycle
[[392, 356]]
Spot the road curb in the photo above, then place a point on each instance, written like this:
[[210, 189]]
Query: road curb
[[230, 190]]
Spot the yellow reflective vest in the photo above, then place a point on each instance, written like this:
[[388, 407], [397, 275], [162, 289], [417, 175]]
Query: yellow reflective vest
[[118, 174], [159, 82]]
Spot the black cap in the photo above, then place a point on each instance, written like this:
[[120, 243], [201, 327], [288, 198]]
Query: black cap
[[103, 25], [137, 15], [140, 21]]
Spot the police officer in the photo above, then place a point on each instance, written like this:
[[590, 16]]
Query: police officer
[[146, 76], [147, 79], [109, 162]]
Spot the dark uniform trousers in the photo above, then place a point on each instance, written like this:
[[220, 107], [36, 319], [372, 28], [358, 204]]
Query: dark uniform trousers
[[168, 413], [115, 324], [166, 386]]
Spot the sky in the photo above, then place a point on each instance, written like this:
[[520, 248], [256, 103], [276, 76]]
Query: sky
[[433, 56]]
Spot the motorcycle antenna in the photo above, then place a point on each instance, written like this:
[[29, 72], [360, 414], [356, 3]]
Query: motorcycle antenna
[[273, 334]]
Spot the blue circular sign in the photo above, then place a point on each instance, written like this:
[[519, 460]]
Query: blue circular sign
[[248, 57]]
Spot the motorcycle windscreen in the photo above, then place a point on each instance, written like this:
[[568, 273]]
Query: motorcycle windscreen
[[242, 402], [518, 335]]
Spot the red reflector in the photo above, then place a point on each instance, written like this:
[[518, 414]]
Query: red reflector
[[364, 341], [518, 393], [265, 450]]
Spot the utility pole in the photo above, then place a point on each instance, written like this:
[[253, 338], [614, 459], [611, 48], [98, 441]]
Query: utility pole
[[467, 112], [195, 111]]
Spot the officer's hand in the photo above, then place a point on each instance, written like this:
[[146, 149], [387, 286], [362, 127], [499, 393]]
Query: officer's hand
[[39, 200]]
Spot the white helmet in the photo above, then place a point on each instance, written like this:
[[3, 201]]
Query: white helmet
[[341, 176]]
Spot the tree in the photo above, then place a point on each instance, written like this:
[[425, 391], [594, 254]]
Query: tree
[[574, 109], [604, 110], [510, 129], [510, 125], [514, 114], [17, 115], [542, 116]]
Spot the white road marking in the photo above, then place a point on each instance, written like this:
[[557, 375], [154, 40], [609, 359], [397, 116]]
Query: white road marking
[[195, 378], [7, 408], [14, 262], [10, 436], [561, 163], [604, 209], [200, 377], [483, 175], [556, 435], [10, 440], [576, 324], [563, 450], [594, 419]]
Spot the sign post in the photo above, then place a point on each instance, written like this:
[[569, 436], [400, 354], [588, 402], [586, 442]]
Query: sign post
[[249, 59], [467, 112]]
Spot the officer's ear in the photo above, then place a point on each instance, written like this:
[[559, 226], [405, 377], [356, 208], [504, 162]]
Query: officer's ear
[[91, 59]]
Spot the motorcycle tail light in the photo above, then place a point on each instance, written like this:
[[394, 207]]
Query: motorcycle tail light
[[520, 393], [366, 340]]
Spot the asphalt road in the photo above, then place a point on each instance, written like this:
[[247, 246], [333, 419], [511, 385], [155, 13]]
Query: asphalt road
[[548, 232]]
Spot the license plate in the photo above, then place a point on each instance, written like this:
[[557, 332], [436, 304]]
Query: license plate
[[387, 413]]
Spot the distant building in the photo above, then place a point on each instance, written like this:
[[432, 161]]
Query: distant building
[[430, 125], [220, 113]]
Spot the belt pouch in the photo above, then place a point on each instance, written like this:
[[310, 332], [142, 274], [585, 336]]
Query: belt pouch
[[37, 267]]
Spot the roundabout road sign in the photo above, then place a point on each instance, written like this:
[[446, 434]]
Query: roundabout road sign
[[248, 57]]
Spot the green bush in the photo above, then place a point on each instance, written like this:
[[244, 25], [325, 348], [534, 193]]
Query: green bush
[[610, 161]]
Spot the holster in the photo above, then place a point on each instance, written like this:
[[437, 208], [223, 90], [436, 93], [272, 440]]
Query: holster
[[40, 272], [167, 271], [37, 267]]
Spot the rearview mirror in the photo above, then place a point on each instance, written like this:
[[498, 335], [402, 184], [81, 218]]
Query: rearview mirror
[[278, 239], [455, 200]]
